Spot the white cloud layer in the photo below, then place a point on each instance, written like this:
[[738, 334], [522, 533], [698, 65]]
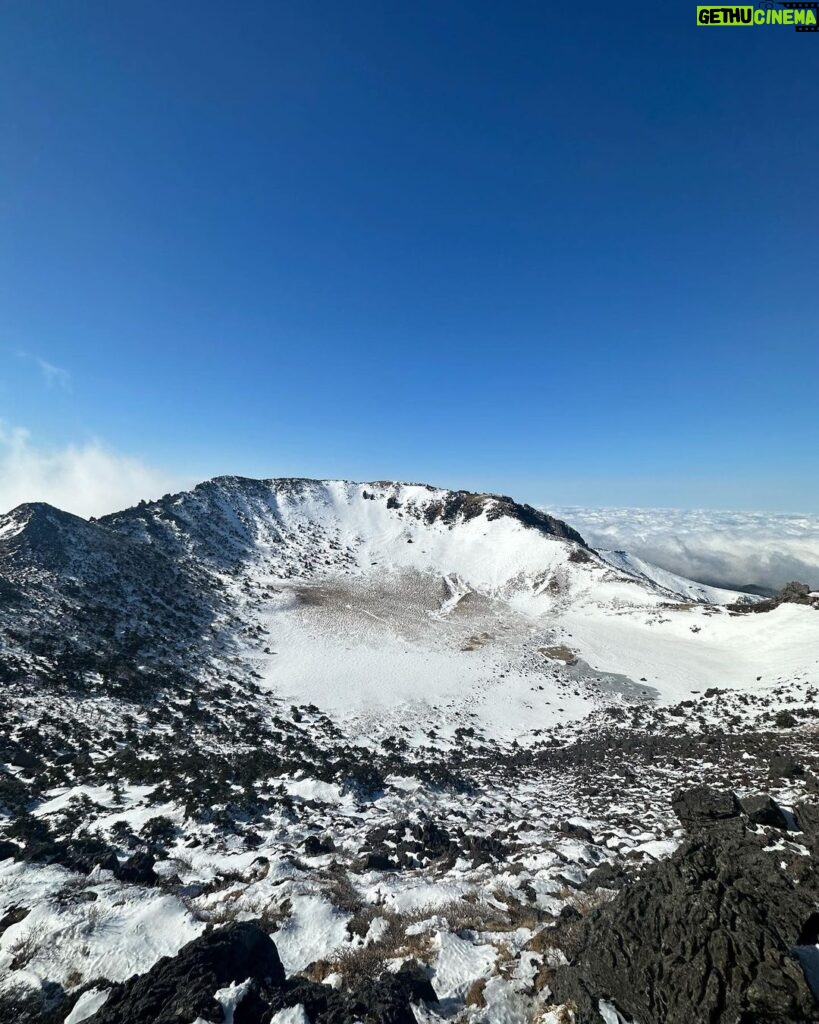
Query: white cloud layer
[[87, 479], [764, 549]]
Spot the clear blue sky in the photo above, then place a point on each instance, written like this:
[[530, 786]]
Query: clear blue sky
[[566, 251]]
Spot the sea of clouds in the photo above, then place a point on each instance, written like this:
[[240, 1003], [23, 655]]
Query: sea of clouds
[[735, 549]]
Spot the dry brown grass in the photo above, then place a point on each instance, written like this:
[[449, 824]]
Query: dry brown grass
[[342, 892], [230, 909], [73, 979], [25, 948], [567, 933], [355, 963], [274, 914], [566, 1014], [370, 961], [468, 915], [560, 652], [518, 913]]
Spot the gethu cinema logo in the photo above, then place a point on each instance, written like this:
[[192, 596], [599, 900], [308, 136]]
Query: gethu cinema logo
[[795, 15]]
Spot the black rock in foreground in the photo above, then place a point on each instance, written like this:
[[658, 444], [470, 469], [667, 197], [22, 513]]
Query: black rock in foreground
[[181, 988], [709, 936]]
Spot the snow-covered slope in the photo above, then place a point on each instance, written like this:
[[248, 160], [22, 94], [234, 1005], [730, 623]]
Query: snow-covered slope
[[306, 528], [670, 581]]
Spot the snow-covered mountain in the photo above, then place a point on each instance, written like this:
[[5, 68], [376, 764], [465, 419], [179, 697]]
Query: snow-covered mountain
[[370, 599], [312, 528], [390, 724]]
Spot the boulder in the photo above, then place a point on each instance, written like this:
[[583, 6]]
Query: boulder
[[763, 810], [415, 979], [784, 767], [807, 817], [138, 869], [703, 806], [26, 760], [569, 828], [317, 846], [181, 988], [375, 861]]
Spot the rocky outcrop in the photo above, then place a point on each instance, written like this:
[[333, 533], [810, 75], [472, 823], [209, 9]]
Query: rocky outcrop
[[761, 809], [792, 593], [181, 988], [464, 505], [708, 936], [384, 1000]]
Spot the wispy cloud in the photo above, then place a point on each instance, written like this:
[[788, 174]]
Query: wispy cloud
[[731, 548], [87, 479], [54, 376]]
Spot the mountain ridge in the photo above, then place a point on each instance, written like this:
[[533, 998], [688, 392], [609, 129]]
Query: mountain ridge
[[223, 519]]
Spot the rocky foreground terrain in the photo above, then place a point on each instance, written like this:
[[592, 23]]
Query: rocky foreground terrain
[[193, 829]]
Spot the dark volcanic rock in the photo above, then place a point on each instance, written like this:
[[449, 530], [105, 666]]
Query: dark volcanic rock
[[783, 767], [483, 849], [377, 862], [763, 810], [807, 817], [701, 805], [384, 1000], [138, 869], [464, 505], [8, 849], [706, 936], [568, 828], [411, 843], [181, 988], [317, 846]]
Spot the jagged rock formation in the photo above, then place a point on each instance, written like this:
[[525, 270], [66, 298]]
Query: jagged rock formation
[[182, 988], [241, 963], [792, 593], [78, 599], [708, 935]]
